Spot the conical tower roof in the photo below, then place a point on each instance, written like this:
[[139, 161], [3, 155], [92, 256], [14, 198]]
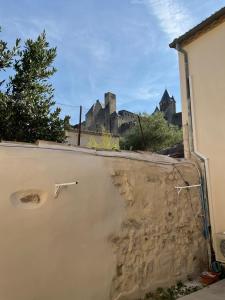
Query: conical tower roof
[[172, 98], [165, 97], [156, 110]]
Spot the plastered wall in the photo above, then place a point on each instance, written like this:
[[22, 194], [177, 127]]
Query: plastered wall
[[207, 73], [120, 231]]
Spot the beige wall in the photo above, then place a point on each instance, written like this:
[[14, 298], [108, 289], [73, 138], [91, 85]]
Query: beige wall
[[58, 250], [121, 231], [207, 74]]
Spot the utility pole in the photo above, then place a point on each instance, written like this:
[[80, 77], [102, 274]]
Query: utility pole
[[142, 134], [79, 128]]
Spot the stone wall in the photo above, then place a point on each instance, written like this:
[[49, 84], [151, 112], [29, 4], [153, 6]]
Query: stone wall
[[126, 121], [121, 231], [160, 239], [126, 117]]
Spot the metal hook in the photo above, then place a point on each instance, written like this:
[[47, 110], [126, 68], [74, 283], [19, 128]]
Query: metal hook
[[59, 186]]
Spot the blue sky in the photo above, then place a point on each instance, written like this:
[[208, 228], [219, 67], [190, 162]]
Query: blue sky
[[109, 45]]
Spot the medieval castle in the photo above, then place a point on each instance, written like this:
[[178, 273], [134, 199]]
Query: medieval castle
[[105, 117]]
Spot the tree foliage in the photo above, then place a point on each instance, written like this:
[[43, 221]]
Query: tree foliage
[[27, 105], [6, 59], [6, 55], [157, 134]]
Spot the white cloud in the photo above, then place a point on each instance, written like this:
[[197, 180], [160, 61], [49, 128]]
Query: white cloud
[[146, 93], [31, 27], [89, 42], [62, 36], [174, 18]]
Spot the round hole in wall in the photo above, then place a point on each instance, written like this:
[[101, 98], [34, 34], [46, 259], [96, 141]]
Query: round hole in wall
[[28, 199], [31, 198]]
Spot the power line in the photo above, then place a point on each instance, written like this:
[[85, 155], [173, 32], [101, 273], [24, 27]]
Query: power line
[[63, 104], [70, 105]]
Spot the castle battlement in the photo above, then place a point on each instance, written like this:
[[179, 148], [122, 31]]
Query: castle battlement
[[101, 118]]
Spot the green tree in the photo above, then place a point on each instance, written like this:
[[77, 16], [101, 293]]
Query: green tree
[[157, 134], [29, 96], [6, 55], [6, 59]]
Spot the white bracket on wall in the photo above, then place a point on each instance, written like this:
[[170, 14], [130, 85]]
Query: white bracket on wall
[[59, 186], [180, 188]]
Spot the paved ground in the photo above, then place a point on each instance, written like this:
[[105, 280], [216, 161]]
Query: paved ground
[[215, 291]]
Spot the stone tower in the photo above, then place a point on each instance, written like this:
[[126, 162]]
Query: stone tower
[[110, 107], [105, 118], [168, 106], [110, 102]]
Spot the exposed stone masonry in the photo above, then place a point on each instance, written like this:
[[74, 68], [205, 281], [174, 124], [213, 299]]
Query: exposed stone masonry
[[160, 241]]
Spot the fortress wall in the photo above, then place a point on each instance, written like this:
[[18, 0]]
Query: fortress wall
[[126, 118]]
